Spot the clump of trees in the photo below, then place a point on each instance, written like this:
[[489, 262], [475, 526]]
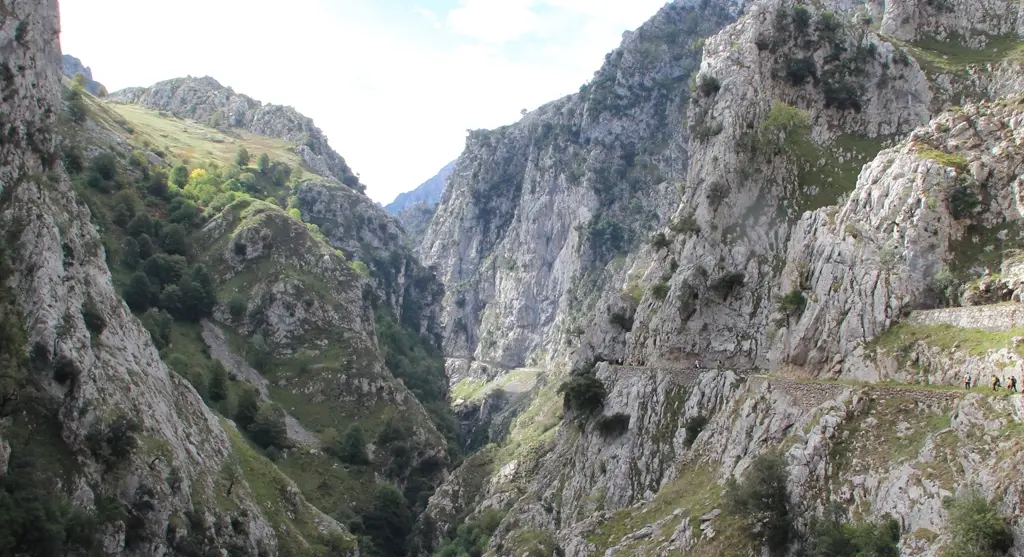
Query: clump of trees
[[583, 394], [976, 528], [761, 500]]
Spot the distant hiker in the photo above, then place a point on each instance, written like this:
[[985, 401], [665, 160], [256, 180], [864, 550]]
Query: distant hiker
[[967, 381], [696, 364], [719, 365], [996, 383], [1013, 383]]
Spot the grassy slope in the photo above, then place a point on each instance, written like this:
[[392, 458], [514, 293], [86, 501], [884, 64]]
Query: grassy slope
[[185, 139]]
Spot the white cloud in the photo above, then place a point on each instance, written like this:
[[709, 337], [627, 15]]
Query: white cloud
[[430, 16], [493, 21], [392, 92]]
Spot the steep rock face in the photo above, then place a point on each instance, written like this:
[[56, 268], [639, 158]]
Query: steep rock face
[[364, 232], [535, 211], [71, 66], [93, 363], [415, 219], [428, 193], [916, 211], [205, 100], [746, 187]]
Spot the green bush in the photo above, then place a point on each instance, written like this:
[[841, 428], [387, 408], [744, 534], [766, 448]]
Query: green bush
[[708, 85], [237, 306], [388, 522], [76, 109], [725, 283], [793, 303], [976, 528], [139, 293], [179, 176], [113, 443], [93, 316], [963, 201], [105, 165], [614, 425], [159, 324], [660, 241], [761, 500], [684, 225], [352, 446], [471, 537], [242, 157], [583, 394], [800, 70], [830, 537], [694, 426], [268, 429], [660, 290]]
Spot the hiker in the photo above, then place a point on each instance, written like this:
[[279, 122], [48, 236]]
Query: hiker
[[696, 364], [719, 365], [967, 381], [1013, 383], [996, 383]]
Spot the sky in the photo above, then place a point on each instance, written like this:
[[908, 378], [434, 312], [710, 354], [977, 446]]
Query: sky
[[394, 84]]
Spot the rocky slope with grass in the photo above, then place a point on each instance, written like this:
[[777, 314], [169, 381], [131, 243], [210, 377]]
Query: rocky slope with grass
[[205, 100], [106, 448]]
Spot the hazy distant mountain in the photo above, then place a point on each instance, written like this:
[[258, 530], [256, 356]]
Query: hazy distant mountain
[[428, 192], [72, 65]]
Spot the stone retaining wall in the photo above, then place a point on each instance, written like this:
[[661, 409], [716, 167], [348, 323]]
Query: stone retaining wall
[[996, 318]]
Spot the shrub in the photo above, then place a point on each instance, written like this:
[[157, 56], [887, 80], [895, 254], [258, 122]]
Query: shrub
[[708, 85], [614, 425], [829, 537], [659, 290], [659, 241], [762, 501], [717, 192], [583, 394], [179, 176], [242, 157], [622, 319], [141, 224], [105, 165], [237, 306], [263, 163], [352, 446], [842, 95], [963, 201], [684, 225], [786, 127], [793, 303], [139, 293], [158, 323], [76, 109], [976, 528], [694, 426], [800, 70], [727, 282], [801, 20], [93, 316], [268, 429], [115, 442]]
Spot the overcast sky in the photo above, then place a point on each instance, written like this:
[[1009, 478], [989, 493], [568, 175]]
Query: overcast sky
[[394, 84]]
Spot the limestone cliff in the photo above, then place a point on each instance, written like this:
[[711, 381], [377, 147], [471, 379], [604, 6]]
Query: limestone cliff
[[135, 445], [833, 173]]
